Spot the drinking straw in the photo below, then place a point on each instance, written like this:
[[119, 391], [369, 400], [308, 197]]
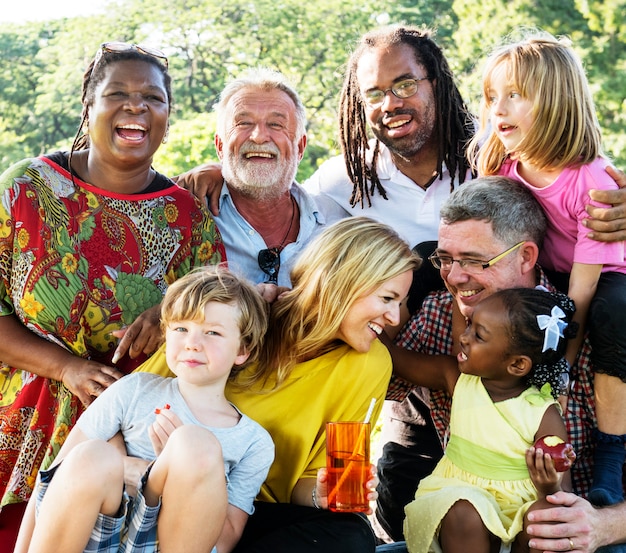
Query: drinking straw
[[370, 410], [360, 440]]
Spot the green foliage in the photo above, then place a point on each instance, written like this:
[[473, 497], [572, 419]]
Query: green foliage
[[606, 62], [190, 143], [210, 41]]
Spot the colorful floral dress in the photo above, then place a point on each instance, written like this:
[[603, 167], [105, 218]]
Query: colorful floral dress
[[76, 263]]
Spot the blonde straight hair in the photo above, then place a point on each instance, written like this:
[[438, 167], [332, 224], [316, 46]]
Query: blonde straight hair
[[347, 261], [565, 130]]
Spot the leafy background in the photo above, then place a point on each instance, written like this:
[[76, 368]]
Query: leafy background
[[210, 41]]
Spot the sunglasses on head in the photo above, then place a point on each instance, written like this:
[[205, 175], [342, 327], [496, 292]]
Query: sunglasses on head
[[269, 263], [117, 47]]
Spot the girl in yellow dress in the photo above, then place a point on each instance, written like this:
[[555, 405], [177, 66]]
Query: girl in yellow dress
[[503, 399]]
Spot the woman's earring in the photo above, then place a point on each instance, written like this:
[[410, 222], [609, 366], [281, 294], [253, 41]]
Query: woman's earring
[[166, 135]]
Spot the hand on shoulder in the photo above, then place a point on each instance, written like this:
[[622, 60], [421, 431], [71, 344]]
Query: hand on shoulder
[[608, 224]]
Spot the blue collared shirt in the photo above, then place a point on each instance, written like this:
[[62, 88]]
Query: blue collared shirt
[[243, 242]]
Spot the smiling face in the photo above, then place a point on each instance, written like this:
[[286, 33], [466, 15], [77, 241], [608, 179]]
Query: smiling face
[[474, 239], [129, 114], [406, 125], [260, 149], [511, 115], [486, 341], [369, 314], [203, 352]]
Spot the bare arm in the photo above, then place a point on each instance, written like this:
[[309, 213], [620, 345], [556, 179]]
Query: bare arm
[[574, 518], [302, 491], [609, 224], [438, 372], [205, 183], [540, 465], [233, 528], [23, 349]]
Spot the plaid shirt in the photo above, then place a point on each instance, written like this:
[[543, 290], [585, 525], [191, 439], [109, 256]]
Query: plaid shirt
[[430, 331]]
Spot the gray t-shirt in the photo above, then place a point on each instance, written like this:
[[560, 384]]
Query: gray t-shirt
[[128, 406]]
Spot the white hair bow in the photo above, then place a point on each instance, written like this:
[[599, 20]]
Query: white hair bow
[[553, 326]]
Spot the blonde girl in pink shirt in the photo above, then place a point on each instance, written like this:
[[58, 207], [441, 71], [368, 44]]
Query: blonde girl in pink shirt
[[538, 125]]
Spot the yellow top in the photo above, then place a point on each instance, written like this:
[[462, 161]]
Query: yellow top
[[337, 386]]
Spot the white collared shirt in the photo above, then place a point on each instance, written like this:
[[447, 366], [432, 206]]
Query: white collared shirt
[[412, 211]]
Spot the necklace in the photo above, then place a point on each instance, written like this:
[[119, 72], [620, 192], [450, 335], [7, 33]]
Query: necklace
[[294, 210], [426, 185]]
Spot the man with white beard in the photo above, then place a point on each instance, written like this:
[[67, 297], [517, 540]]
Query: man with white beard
[[265, 217]]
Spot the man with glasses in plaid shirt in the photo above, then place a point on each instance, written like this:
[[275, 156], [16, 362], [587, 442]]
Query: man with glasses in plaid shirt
[[489, 239]]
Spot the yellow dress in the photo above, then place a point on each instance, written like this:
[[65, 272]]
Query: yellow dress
[[484, 463]]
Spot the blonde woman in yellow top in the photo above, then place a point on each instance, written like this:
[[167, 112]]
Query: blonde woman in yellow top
[[322, 361]]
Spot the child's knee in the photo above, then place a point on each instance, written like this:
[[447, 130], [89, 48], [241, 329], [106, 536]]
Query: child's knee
[[463, 517], [195, 448], [94, 459]]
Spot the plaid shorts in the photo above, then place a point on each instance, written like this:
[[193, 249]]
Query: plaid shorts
[[133, 529]]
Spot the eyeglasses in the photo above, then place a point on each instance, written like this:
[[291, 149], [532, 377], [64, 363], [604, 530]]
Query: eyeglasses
[[117, 47], [402, 89], [475, 266], [269, 263]]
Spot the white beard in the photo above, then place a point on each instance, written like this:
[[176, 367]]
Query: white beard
[[260, 180]]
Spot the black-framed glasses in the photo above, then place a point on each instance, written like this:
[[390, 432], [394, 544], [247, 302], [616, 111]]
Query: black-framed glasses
[[402, 89], [117, 47], [475, 266], [269, 263]]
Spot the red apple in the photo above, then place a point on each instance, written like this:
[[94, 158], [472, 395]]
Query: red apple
[[562, 453]]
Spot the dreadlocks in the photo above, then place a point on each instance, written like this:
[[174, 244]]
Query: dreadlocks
[[455, 125]]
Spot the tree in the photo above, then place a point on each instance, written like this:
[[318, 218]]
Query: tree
[[209, 42]]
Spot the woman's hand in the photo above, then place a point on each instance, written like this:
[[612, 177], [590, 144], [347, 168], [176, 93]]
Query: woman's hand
[[23, 349], [371, 485], [87, 379], [144, 335], [322, 488]]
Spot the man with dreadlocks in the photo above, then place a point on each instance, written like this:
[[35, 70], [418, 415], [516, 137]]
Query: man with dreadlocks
[[399, 82]]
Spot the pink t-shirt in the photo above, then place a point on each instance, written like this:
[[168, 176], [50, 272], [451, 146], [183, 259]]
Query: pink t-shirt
[[564, 203]]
